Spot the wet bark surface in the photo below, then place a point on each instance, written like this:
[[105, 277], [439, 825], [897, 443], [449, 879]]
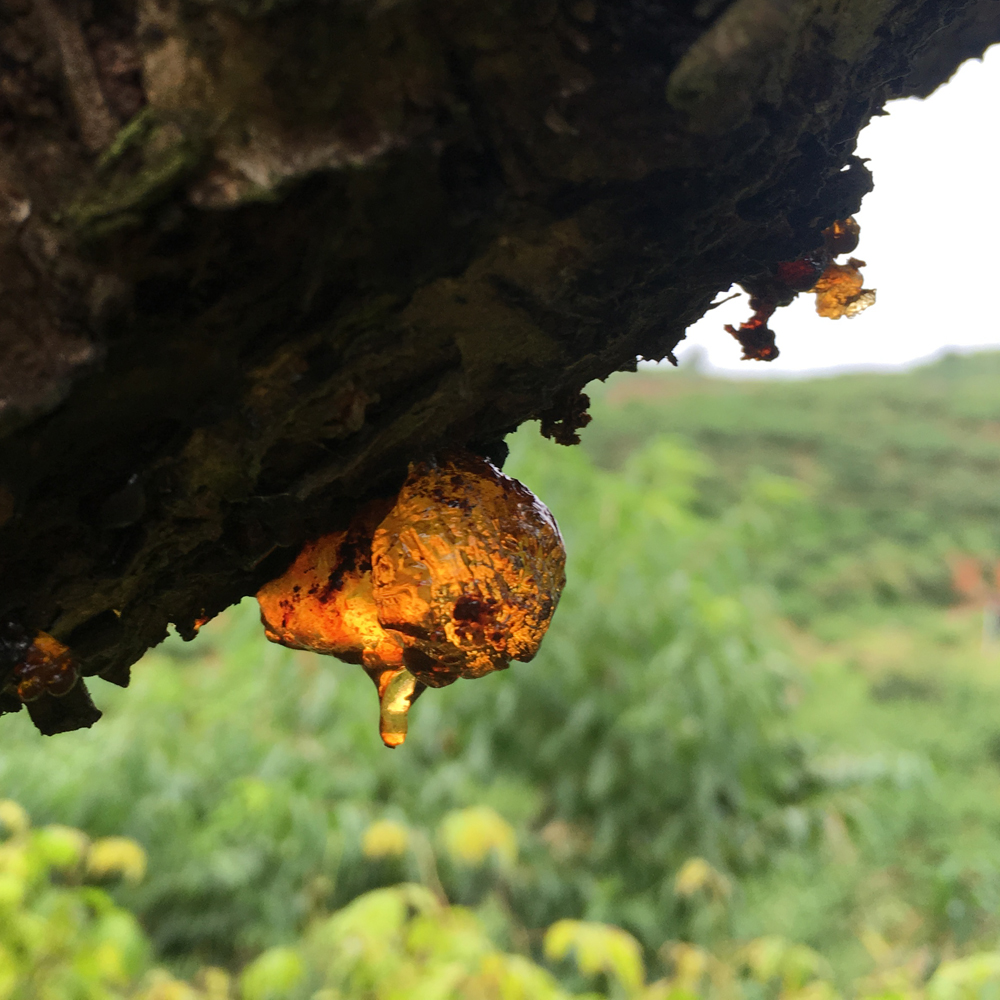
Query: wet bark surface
[[257, 256]]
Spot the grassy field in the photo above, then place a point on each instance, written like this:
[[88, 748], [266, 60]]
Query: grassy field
[[904, 716]]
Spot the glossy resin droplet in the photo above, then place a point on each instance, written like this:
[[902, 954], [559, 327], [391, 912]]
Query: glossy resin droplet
[[468, 567], [455, 578], [397, 691]]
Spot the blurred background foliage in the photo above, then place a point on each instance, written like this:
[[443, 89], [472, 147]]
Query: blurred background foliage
[[758, 754], [899, 470]]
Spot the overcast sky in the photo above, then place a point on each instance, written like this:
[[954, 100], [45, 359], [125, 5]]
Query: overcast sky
[[930, 232]]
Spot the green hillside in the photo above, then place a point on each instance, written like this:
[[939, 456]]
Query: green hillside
[[901, 471], [762, 722]]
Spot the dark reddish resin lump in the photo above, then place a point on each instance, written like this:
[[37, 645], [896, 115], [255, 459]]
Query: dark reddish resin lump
[[45, 666], [837, 287]]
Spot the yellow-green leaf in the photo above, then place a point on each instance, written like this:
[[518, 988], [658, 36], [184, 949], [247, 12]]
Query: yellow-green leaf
[[472, 835]]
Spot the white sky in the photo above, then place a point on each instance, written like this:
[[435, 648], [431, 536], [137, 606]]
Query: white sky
[[930, 232]]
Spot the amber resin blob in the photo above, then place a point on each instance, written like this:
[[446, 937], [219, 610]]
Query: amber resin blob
[[45, 666], [456, 578]]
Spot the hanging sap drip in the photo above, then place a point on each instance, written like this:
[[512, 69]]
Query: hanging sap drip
[[455, 578]]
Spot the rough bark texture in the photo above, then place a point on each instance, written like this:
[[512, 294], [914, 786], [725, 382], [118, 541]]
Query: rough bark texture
[[257, 255]]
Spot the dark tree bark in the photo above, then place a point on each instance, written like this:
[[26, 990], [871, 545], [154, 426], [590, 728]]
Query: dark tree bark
[[258, 255]]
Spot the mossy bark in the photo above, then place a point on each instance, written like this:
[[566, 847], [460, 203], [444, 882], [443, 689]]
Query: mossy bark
[[320, 240]]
